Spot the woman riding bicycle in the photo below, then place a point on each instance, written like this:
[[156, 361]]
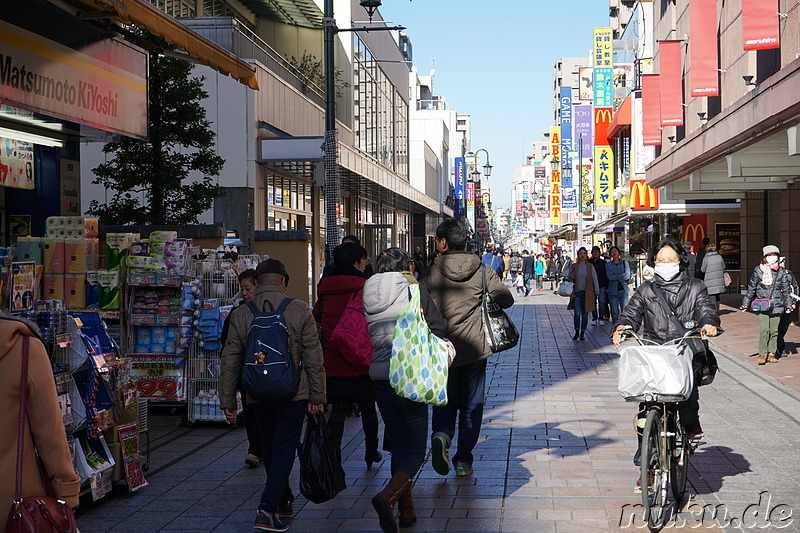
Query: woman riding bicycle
[[688, 299]]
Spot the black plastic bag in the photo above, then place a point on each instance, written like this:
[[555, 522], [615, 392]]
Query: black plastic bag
[[321, 473]]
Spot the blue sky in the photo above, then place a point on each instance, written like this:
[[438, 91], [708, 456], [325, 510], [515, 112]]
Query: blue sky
[[494, 61]]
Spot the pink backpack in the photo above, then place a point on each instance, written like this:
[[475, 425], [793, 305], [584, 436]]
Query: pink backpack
[[351, 334]]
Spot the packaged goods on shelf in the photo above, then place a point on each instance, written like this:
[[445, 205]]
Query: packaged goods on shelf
[[92, 290], [72, 227], [117, 246], [163, 236], [30, 249], [75, 291], [108, 282]]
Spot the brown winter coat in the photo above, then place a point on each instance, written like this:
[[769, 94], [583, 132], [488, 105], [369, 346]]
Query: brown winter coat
[[303, 340], [44, 431], [455, 283], [591, 294]]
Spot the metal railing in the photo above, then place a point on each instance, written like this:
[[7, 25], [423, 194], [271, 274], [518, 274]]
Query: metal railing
[[241, 41]]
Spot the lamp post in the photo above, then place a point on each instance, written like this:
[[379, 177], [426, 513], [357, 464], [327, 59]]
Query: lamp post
[[331, 143], [476, 174]]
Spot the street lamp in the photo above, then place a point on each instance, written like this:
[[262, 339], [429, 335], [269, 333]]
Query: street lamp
[[476, 174]]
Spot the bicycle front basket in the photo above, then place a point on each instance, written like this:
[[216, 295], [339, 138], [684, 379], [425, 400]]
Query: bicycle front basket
[[655, 373]]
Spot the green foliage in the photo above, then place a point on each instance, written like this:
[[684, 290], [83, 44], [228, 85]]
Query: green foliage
[[313, 69], [150, 179]]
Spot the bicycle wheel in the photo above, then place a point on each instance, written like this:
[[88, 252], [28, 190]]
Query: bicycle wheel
[[679, 463], [655, 469]]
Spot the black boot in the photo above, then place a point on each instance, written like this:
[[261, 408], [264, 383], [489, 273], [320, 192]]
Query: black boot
[[575, 337], [583, 335]]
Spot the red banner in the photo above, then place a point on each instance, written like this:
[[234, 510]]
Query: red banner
[[602, 119], [651, 110], [671, 83], [760, 29], [703, 57]]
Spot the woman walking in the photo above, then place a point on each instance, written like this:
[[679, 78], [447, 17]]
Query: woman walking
[[552, 271], [347, 384], [713, 269], [46, 459], [618, 272], [584, 292], [386, 296], [769, 282]]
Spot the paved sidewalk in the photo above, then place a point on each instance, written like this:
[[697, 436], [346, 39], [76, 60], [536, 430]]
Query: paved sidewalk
[[555, 455]]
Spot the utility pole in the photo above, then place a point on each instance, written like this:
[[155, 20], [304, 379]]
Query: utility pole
[[332, 194]]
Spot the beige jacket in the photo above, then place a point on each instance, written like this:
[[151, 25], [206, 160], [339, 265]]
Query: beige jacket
[[44, 433], [303, 342]]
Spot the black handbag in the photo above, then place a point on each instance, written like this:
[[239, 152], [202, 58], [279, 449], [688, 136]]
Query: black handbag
[[35, 514], [501, 333]]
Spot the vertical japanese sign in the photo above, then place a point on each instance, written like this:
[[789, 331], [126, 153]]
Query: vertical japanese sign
[[703, 57], [585, 82], [602, 119], [670, 83], [587, 204], [760, 29], [582, 124], [555, 176], [603, 74], [459, 187], [565, 99], [604, 178]]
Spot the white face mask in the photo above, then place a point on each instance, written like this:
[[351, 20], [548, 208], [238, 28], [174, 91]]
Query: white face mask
[[668, 271], [772, 259]]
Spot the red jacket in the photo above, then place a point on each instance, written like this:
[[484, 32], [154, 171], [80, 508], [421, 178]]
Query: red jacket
[[334, 293]]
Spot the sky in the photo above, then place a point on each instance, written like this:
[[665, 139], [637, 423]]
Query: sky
[[494, 61]]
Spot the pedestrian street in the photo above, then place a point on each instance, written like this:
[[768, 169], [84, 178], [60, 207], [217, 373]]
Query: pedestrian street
[[555, 455]]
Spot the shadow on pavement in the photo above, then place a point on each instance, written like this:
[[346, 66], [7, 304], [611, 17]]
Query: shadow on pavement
[[711, 465]]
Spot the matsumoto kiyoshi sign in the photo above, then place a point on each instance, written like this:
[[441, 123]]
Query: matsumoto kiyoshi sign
[[103, 85]]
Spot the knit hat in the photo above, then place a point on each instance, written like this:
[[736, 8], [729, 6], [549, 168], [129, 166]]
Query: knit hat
[[770, 249]]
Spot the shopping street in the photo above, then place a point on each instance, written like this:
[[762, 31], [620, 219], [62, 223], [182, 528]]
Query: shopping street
[[555, 453]]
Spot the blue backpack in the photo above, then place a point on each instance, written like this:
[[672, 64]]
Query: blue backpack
[[269, 373]]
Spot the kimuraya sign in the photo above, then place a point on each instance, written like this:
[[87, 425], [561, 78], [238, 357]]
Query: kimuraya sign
[[103, 85]]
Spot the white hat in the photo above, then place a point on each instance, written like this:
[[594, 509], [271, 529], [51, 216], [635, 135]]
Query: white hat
[[771, 249]]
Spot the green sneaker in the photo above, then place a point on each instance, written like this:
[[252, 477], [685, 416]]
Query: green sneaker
[[439, 455], [463, 470]]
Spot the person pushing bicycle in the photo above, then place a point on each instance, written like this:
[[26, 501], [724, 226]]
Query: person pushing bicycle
[[661, 307]]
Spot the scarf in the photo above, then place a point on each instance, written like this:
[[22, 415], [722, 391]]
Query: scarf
[[766, 272]]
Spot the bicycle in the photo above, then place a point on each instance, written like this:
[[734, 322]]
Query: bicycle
[[665, 447]]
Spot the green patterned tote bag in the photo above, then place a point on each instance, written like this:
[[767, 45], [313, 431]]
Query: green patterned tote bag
[[419, 361]]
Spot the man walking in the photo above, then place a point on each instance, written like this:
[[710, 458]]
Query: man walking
[[492, 260], [279, 423], [456, 284], [599, 314], [527, 270]]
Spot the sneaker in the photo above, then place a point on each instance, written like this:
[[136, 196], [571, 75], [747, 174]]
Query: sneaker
[[762, 359], [771, 358], [463, 470], [285, 510], [269, 522], [694, 431], [253, 461], [602, 322], [439, 455]]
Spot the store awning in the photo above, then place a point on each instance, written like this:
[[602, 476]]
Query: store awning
[[143, 15], [612, 224], [621, 119], [563, 230]]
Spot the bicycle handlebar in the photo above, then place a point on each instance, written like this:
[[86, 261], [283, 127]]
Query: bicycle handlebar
[[690, 334]]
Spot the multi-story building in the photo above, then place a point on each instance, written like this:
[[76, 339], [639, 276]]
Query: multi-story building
[[271, 138], [566, 72], [619, 14]]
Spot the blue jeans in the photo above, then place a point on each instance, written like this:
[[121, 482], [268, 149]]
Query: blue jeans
[[466, 394], [406, 424], [618, 300], [279, 427], [601, 300], [581, 315], [513, 276], [527, 278]]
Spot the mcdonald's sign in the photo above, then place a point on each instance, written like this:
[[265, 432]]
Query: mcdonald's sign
[[602, 119], [694, 233], [643, 197]]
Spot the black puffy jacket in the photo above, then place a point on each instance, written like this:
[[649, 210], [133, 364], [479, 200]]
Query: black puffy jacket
[[689, 299], [780, 290]]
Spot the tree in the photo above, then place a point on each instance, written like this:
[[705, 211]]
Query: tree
[[150, 179]]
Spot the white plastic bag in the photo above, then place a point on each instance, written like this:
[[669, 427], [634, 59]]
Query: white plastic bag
[[655, 373], [565, 288]]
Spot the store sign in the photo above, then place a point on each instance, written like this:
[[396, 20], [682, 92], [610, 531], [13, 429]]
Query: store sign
[[158, 379], [585, 81], [602, 53], [16, 164], [582, 130], [760, 28], [604, 178], [729, 245], [459, 188], [566, 130], [587, 205], [602, 120], [103, 85], [671, 83], [651, 110], [643, 197], [603, 87], [703, 55], [70, 187]]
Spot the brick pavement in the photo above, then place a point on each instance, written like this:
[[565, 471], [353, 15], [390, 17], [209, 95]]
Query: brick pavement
[[555, 454]]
